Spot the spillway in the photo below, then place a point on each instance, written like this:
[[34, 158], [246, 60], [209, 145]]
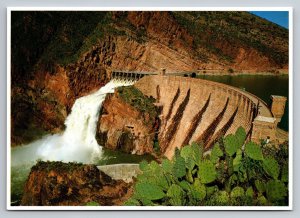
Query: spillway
[[77, 142]]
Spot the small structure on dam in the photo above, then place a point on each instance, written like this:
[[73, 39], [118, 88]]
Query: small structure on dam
[[200, 110]]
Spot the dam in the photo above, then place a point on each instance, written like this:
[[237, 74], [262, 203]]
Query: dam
[[203, 111]]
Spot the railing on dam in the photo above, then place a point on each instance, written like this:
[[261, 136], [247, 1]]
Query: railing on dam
[[129, 75]]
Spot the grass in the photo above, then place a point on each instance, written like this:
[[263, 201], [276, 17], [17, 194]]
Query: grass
[[47, 166]]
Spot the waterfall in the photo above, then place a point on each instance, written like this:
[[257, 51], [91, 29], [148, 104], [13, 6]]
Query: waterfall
[[77, 142]]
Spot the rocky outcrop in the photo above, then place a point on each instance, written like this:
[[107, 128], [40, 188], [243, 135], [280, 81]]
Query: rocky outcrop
[[40, 106], [71, 184], [125, 126], [85, 76], [44, 103]]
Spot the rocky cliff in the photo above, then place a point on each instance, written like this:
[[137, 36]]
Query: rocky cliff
[[60, 56], [71, 184], [128, 122]]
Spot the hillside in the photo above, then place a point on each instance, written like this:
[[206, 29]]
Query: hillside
[[57, 57], [216, 39]]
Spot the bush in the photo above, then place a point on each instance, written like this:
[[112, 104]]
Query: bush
[[230, 70], [228, 175]]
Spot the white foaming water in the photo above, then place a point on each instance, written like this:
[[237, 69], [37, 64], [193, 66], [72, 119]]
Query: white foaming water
[[77, 142]]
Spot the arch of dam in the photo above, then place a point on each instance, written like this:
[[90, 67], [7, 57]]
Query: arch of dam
[[200, 110]]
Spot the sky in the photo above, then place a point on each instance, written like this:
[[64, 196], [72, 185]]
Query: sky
[[279, 17]]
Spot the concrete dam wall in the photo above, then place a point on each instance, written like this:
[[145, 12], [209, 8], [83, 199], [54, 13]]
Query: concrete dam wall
[[200, 110]]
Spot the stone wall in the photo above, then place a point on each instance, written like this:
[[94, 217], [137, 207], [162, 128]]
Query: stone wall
[[264, 128], [125, 172], [199, 110]]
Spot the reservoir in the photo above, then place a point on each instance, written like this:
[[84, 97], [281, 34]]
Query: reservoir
[[263, 86]]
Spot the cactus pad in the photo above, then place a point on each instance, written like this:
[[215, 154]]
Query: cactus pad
[[253, 151]]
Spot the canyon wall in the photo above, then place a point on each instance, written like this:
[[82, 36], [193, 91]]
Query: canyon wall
[[124, 127], [44, 103]]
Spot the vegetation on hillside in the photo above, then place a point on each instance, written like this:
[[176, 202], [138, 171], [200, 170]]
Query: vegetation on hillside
[[47, 166], [134, 97], [209, 28], [44, 39], [232, 174]]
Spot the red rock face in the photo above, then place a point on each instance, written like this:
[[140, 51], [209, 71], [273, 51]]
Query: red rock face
[[48, 99], [39, 106], [161, 26], [58, 84], [62, 184], [124, 127], [85, 76], [54, 89]]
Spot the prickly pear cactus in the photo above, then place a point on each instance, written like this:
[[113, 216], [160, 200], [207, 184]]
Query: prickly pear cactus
[[197, 152], [244, 176], [207, 172], [261, 200], [271, 167], [249, 192], [220, 198], [149, 191], [167, 165], [92, 203], [253, 151], [231, 144], [275, 190], [154, 169], [132, 202], [260, 186], [198, 190], [216, 153], [210, 190], [237, 192], [176, 195], [143, 165], [187, 153], [285, 173], [185, 185], [240, 136], [179, 169], [237, 160]]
